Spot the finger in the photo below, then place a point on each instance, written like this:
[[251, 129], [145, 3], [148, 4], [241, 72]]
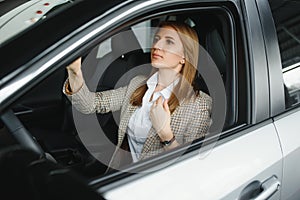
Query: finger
[[151, 114], [159, 100], [166, 105], [153, 105]]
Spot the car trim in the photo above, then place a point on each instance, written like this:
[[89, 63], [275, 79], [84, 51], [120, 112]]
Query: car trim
[[259, 80], [277, 102]]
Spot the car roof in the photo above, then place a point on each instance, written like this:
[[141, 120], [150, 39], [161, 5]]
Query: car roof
[[6, 5], [31, 41], [26, 15]]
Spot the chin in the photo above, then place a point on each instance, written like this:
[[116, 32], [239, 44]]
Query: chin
[[158, 65]]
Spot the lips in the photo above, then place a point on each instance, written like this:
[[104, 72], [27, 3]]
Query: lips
[[155, 55]]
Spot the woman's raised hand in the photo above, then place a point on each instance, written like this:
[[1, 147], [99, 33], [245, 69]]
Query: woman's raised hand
[[75, 67], [75, 75]]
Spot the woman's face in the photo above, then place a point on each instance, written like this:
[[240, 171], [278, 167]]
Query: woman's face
[[167, 50]]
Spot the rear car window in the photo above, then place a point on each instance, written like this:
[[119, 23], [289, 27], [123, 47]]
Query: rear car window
[[287, 22]]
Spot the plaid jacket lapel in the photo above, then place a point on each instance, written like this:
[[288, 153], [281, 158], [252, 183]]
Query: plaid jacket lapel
[[124, 123], [151, 139]]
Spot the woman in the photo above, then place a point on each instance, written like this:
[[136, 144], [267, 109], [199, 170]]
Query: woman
[[160, 112]]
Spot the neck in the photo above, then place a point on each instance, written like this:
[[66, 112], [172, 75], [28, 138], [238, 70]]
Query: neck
[[166, 77]]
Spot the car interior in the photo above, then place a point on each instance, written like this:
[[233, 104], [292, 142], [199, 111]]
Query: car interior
[[47, 115]]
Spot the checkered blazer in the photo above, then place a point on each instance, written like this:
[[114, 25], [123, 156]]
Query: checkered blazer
[[189, 121]]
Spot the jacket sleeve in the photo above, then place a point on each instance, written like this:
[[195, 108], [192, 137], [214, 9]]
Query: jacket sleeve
[[201, 120], [101, 102]]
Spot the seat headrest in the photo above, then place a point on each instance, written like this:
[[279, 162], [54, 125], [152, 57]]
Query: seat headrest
[[216, 49]]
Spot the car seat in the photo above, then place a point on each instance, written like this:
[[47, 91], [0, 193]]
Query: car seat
[[126, 54], [216, 48]]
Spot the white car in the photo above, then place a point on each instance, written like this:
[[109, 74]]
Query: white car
[[249, 64]]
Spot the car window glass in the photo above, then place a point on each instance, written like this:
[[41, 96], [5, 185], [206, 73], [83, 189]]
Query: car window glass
[[287, 22], [143, 34], [104, 48], [128, 55], [48, 115]]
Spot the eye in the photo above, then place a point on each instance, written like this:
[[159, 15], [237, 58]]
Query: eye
[[155, 39], [169, 42]]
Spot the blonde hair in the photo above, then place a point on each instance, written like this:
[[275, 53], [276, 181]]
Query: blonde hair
[[184, 89]]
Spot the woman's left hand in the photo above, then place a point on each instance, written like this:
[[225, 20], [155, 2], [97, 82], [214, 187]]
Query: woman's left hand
[[160, 117]]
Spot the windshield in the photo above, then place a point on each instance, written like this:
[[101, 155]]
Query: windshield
[[17, 16]]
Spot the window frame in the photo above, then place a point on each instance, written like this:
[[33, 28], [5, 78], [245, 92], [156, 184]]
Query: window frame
[[82, 48], [185, 151], [273, 58]]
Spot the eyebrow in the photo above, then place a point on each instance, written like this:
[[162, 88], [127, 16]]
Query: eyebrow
[[169, 37]]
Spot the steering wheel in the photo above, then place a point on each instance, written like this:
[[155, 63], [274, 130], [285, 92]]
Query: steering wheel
[[20, 133]]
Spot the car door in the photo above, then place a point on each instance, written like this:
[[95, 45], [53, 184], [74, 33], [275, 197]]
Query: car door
[[242, 161], [245, 161], [235, 169]]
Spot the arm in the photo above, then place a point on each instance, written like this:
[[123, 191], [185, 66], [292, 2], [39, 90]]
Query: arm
[[197, 123], [89, 102], [198, 113], [161, 121]]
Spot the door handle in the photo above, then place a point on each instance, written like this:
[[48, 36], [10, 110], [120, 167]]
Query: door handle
[[269, 187]]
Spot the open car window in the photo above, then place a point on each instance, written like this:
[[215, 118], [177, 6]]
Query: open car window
[[49, 116]]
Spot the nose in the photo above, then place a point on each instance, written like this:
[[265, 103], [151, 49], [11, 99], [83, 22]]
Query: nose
[[158, 45]]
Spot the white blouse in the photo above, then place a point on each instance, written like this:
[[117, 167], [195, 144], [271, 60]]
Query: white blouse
[[140, 123]]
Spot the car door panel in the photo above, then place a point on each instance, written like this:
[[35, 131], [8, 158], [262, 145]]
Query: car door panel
[[221, 174], [44, 103], [288, 130]]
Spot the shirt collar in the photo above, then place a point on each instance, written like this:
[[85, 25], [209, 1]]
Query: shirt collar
[[152, 81], [166, 92]]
